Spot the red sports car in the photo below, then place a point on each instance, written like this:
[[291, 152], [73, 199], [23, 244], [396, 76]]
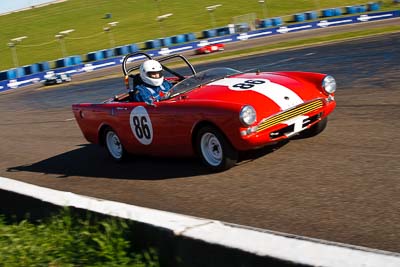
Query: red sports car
[[209, 48], [214, 114]]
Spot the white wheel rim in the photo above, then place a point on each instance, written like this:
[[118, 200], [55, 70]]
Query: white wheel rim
[[114, 145], [211, 149]]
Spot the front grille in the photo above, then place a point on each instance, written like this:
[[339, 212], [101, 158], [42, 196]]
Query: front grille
[[289, 114]]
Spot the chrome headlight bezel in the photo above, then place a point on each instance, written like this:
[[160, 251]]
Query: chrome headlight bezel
[[329, 84], [247, 115]]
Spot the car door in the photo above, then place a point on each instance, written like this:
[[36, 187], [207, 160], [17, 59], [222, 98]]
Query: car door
[[143, 128]]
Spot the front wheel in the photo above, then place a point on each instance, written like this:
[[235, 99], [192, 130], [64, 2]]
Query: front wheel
[[214, 149], [113, 145]]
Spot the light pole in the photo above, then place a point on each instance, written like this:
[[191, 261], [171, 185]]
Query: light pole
[[160, 19], [110, 33], [263, 4], [13, 46], [60, 37], [210, 10]]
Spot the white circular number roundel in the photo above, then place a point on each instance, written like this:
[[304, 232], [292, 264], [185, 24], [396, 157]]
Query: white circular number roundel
[[141, 125]]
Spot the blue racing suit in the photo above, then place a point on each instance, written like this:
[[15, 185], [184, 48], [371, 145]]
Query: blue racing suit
[[150, 94]]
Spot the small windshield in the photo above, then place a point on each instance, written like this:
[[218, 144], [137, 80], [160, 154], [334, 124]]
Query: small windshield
[[201, 78]]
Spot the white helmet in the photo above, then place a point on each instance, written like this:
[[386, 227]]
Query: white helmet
[[148, 69]]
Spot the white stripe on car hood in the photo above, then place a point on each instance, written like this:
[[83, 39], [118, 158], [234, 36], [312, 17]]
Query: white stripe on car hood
[[281, 95]]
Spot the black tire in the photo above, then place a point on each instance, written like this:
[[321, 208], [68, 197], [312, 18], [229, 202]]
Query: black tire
[[114, 146], [315, 129], [214, 149]]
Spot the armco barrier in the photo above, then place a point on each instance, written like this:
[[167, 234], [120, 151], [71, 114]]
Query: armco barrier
[[44, 66], [151, 44], [75, 60], [330, 12], [299, 17], [189, 37], [63, 62], [120, 51], [166, 41], [373, 6], [107, 53], [277, 21], [351, 10], [133, 48], [337, 11], [31, 69], [265, 23], [3, 75], [15, 73], [196, 242], [361, 9], [177, 39], [209, 33], [95, 55], [311, 15]]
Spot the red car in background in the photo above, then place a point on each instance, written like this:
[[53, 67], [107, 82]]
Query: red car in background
[[210, 48], [214, 114]]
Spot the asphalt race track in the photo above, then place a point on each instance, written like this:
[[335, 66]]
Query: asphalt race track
[[342, 185]]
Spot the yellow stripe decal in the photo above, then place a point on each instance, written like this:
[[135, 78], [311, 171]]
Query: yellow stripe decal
[[286, 115]]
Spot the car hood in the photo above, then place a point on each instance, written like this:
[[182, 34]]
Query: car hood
[[267, 92]]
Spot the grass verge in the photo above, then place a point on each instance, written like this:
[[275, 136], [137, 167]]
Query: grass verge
[[68, 240]]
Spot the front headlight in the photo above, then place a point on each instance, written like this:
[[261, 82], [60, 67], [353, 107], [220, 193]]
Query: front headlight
[[248, 115], [329, 84]]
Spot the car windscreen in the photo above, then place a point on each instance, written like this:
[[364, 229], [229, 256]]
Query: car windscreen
[[201, 78]]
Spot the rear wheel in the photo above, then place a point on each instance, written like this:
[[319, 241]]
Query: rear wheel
[[214, 149], [113, 145]]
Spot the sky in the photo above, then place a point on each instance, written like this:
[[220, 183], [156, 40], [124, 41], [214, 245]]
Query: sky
[[12, 5]]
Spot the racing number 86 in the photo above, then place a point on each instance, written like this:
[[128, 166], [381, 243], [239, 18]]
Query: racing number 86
[[248, 84], [141, 127]]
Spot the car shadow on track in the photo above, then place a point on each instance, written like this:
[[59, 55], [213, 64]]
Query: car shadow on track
[[261, 152], [92, 161]]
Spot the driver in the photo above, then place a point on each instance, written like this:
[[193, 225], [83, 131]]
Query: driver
[[154, 86]]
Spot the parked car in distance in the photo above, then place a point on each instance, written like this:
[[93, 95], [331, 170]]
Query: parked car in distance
[[56, 78]]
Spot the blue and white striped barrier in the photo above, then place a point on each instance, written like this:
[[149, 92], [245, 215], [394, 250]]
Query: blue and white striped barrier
[[92, 66]]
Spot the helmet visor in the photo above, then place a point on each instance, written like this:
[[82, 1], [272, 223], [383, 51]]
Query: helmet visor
[[154, 74]]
